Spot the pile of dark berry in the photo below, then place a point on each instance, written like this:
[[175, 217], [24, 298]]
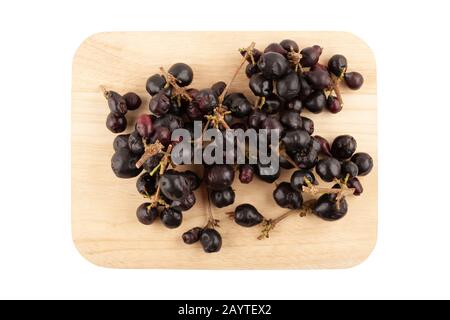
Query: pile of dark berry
[[285, 81]]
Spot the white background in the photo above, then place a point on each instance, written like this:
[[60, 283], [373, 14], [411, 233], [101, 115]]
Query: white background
[[410, 40]]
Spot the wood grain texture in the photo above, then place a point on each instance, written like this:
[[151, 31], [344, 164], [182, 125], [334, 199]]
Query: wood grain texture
[[104, 226]]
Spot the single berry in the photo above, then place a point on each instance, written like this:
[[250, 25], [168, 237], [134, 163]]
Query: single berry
[[364, 163], [116, 123], [287, 197], [192, 236], [337, 65], [171, 218], [132, 100], [146, 184], [123, 163], [211, 240], [146, 214], [246, 215], [343, 147], [354, 80], [328, 169], [182, 73]]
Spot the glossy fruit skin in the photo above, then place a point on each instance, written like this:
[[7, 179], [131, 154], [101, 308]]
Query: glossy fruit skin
[[349, 168], [116, 103], [273, 104], [206, 100], [305, 88], [251, 69], [221, 199], [333, 104], [144, 125], [160, 103], [271, 123], [266, 172], [184, 204], [211, 240], [183, 73], [296, 139], [325, 147], [238, 104], [298, 179], [246, 173], [316, 102], [343, 147], [256, 118], [135, 143], [174, 185], [337, 64], [306, 158], [273, 65], [132, 100], [115, 123], [310, 56], [326, 208], [291, 119], [288, 87], [146, 184], [355, 183], [193, 179], [155, 84], [290, 45], [247, 215], [328, 169], [295, 105], [218, 88], [192, 236], [354, 80], [219, 177], [276, 47], [287, 197], [260, 86], [308, 125], [315, 144], [120, 141], [318, 79], [145, 214], [364, 162], [123, 164], [171, 218]]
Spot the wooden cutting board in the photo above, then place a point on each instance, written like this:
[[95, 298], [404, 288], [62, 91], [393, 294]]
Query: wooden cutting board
[[104, 225]]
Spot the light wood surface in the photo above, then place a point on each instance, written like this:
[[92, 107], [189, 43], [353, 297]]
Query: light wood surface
[[104, 225]]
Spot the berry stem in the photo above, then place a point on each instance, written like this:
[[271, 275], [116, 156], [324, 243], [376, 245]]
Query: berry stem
[[211, 222], [156, 200], [282, 153], [336, 89], [179, 91], [106, 93], [244, 59], [270, 224], [150, 151], [313, 190]]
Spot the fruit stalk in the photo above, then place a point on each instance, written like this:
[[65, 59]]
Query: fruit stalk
[[156, 198], [336, 89], [244, 59], [270, 224], [150, 151], [179, 91], [211, 222]]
